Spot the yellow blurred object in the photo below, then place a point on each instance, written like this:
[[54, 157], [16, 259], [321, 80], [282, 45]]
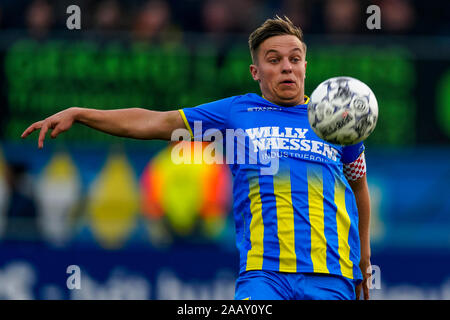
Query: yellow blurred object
[[60, 168], [114, 202], [189, 192], [182, 194]]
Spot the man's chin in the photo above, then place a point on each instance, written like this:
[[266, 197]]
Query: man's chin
[[292, 99], [288, 93]]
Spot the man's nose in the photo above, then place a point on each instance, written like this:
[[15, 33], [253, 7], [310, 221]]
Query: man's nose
[[286, 66]]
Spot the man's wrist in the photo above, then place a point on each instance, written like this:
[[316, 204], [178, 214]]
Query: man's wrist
[[76, 113]]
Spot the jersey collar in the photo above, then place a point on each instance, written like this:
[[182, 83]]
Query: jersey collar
[[306, 101]]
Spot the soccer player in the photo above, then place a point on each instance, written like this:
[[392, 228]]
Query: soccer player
[[303, 232]]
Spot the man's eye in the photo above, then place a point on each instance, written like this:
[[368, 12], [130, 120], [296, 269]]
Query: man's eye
[[295, 59], [273, 60]]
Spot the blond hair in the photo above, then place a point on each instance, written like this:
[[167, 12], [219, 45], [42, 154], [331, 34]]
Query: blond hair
[[270, 28]]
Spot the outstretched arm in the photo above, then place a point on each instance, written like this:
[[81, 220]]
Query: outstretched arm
[[134, 123]]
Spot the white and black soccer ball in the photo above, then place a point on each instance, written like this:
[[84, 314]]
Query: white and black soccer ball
[[343, 110]]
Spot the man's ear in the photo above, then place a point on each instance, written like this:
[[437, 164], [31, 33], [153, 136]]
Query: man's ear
[[254, 72]]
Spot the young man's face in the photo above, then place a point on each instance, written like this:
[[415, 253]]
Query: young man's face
[[280, 69]]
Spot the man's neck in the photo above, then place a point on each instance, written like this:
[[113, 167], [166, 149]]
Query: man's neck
[[286, 103]]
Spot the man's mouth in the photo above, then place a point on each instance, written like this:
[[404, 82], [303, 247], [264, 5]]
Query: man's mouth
[[288, 82]]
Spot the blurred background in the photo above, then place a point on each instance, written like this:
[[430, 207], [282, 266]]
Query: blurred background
[[140, 227]]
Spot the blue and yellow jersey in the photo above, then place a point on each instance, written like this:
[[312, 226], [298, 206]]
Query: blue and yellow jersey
[[304, 217]]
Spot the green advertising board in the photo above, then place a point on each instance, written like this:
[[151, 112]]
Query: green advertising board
[[44, 78]]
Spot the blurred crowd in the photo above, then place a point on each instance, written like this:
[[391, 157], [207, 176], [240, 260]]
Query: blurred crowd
[[148, 19]]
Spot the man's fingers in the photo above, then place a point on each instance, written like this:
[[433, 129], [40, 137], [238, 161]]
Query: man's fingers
[[367, 280], [366, 290], [55, 132], [44, 130], [358, 291], [31, 128], [44, 125], [364, 285]]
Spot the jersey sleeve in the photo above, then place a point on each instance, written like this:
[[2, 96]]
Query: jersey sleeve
[[354, 162], [356, 169], [213, 115], [352, 152]]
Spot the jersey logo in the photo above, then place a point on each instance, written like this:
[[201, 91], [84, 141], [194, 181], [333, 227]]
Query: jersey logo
[[250, 109]]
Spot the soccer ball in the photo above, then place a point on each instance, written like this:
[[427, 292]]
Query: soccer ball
[[343, 110]]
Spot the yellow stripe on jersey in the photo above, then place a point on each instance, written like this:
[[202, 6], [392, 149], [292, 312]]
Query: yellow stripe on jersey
[[316, 219], [186, 123], [285, 221], [255, 254], [343, 228]]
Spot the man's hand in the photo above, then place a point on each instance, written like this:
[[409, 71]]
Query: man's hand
[[366, 270], [59, 122]]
